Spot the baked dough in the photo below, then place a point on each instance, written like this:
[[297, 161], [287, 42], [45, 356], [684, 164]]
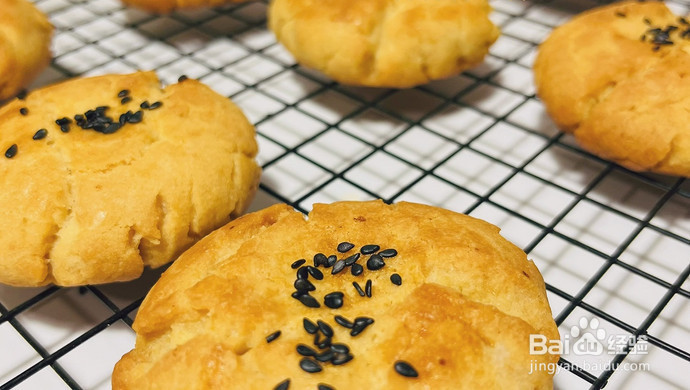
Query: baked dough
[[461, 318], [25, 35], [167, 6], [84, 206], [617, 78], [384, 43]]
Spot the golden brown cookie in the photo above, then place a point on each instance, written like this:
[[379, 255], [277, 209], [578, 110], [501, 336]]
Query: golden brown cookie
[[384, 43], [230, 312], [102, 176], [167, 6], [25, 35], [617, 78]]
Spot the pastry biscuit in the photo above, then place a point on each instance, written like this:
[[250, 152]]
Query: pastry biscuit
[[440, 301], [384, 43], [101, 176], [25, 36], [167, 6], [617, 78]]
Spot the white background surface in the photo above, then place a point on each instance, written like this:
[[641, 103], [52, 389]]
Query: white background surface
[[611, 244]]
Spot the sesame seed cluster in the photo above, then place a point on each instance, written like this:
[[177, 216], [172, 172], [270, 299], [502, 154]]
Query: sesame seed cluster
[[328, 352], [96, 119]]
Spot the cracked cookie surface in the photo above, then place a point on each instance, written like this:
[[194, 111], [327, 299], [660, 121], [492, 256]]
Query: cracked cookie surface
[[466, 302], [617, 78], [106, 175], [384, 43]]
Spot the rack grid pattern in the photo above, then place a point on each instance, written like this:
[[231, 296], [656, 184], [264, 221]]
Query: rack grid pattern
[[613, 245]]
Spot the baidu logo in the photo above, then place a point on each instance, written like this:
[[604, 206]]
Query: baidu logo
[[586, 338], [589, 337]]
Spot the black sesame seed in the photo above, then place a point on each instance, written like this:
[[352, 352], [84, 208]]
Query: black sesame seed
[[367, 288], [340, 348], [284, 385], [357, 329], [358, 288], [396, 279], [296, 294], [125, 100], [361, 323], [309, 326], [145, 104], [351, 260], [315, 273], [64, 124], [334, 300], [182, 78], [342, 359], [405, 369], [125, 117], [22, 95], [309, 301], [345, 246], [344, 322], [309, 365], [123, 93], [325, 328], [320, 259], [305, 350], [322, 386], [11, 151], [322, 344], [338, 266], [113, 127], [23, 110], [136, 117], [63, 121], [375, 262], [369, 249], [325, 356], [303, 273], [388, 253], [303, 285], [40, 134], [155, 105], [272, 336], [356, 269], [297, 263], [364, 321], [331, 260]]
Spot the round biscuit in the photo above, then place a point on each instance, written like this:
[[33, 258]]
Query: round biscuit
[[92, 195]]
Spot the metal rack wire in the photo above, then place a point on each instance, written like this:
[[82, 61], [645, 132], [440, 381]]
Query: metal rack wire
[[613, 245]]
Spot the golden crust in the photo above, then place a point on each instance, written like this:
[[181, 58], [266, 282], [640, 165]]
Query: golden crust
[[384, 43], [87, 207], [623, 99], [463, 315], [167, 6], [25, 35]]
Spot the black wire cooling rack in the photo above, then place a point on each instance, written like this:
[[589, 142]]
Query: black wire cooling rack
[[613, 245]]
